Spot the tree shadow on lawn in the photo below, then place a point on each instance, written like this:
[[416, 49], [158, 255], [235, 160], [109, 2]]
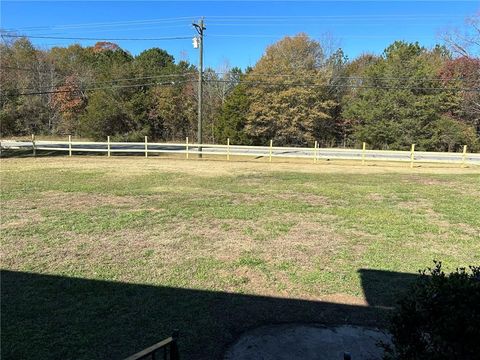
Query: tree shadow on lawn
[[55, 317]]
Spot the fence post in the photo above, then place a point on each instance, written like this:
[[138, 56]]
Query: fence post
[[108, 146], [33, 145], [70, 145], [363, 153], [412, 155], [186, 148], [146, 146], [174, 353], [315, 152], [464, 155], [270, 157], [228, 148]]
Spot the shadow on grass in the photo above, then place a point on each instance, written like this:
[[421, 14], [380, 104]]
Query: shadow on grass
[[26, 153], [55, 317]]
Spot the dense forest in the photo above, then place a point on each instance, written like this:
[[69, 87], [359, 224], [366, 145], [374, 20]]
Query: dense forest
[[297, 93]]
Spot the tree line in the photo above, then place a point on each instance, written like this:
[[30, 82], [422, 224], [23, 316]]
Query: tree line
[[297, 93]]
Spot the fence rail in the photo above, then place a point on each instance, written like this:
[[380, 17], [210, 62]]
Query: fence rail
[[228, 150], [166, 349]]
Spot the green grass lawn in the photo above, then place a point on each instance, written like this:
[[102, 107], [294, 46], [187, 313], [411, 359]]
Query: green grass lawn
[[103, 257]]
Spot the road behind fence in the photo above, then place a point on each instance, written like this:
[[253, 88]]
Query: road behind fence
[[192, 150]]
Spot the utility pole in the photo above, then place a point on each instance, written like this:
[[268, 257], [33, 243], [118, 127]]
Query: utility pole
[[200, 28]]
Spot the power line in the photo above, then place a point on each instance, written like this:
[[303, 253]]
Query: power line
[[218, 23], [254, 83], [96, 39], [102, 88], [321, 35], [117, 80], [238, 18], [356, 86], [125, 28], [60, 81], [348, 77], [270, 75], [400, 16], [313, 21], [210, 35], [228, 20], [122, 29], [270, 83], [108, 23], [150, 77]]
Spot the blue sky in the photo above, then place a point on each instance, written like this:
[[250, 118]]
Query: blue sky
[[237, 32]]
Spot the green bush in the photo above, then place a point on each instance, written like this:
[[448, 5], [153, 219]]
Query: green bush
[[439, 318]]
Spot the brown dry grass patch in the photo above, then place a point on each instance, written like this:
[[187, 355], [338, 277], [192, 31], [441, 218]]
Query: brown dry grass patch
[[211, 167]]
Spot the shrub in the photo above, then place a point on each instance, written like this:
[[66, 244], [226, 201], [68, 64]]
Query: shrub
[[439, 318]]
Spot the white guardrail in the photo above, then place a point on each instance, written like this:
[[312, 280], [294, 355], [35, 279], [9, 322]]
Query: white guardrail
[[315, 153]]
